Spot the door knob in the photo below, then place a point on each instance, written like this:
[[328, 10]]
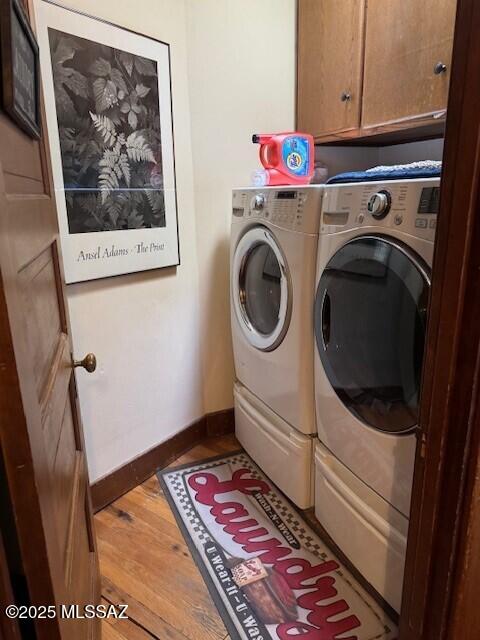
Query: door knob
[[89, 363], [439, 68], [345, 97]]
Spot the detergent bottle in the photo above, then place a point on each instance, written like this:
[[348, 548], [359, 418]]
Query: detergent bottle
[[288, 158]]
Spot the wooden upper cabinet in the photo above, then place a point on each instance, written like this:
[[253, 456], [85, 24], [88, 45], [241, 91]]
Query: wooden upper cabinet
[[330, 61], [405, 40]]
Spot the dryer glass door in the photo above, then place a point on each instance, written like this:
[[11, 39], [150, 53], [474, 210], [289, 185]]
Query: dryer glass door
[[370, 321], [261, 288]]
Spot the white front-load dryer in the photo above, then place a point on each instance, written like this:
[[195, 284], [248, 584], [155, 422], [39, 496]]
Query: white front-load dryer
[[274, 237], [373, 281]]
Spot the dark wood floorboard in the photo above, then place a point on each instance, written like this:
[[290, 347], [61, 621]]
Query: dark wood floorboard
[[146, 564]]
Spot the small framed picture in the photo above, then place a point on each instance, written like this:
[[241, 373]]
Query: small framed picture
[[20, 68], [109, 116]]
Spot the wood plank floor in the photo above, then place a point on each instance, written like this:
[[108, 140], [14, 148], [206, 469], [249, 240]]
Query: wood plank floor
[[146, 564]]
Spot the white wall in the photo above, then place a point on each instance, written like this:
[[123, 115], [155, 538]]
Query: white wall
[[241, 81], [143, 327], [339, 159], [411, 152], [162, 338]]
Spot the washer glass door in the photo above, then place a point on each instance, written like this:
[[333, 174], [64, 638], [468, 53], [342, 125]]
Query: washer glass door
[[261, 289], [370, 321]]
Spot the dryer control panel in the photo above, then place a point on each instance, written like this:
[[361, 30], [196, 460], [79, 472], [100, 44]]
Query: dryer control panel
[[293, 208], [410, 206]]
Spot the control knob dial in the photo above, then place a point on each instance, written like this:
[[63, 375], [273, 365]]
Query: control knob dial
[[379, 204], [258, 202]]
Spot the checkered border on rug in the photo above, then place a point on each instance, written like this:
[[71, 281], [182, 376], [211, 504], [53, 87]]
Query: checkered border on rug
[[281, 506]]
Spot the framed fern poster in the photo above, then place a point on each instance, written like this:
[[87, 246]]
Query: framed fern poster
[[109, 116]]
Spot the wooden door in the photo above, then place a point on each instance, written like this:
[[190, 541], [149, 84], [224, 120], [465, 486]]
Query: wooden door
[[329, 65], [40, 429], [406, 44]]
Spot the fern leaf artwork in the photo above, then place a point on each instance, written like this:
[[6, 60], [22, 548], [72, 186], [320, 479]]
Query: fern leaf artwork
[[105, 127], [108, 178], [110, 135], [138, 150], [110, 102], [124, 165], [155, 200]]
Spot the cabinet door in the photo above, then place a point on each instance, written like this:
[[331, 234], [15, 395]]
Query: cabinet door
[[330, 60], [407, 41]]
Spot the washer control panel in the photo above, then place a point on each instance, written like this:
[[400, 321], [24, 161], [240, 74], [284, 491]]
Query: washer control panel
[[293, 208], [410, 206]]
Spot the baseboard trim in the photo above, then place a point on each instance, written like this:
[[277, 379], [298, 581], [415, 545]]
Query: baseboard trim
[[133, 473], [220, 423]]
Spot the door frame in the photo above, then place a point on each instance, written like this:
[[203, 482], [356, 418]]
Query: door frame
[[9, 627], [442, 573]]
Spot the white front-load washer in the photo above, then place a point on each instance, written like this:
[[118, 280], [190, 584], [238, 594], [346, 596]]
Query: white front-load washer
[[274, 237], [373, 281]]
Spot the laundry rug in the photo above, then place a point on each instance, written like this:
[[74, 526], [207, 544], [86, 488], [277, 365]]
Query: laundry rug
[[268, 572]]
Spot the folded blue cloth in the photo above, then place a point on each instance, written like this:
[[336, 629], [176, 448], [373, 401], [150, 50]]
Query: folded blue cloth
[[424, 169]]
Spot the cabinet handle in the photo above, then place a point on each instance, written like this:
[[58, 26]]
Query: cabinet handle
[[439, 68], [345, 97]]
